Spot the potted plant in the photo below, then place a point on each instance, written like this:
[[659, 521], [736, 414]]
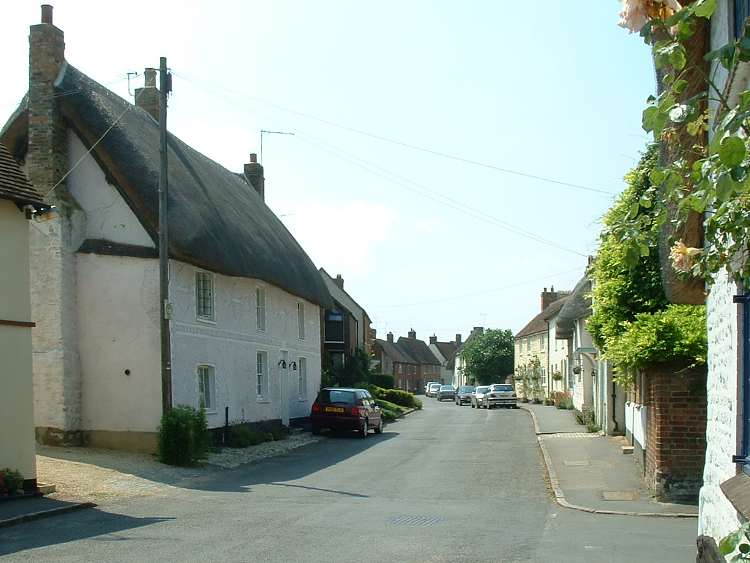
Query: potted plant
[[10, 481]]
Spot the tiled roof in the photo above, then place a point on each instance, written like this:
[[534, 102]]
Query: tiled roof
[[13, 182], [418, 350], [539, 322], [395, 352], [447, 349]]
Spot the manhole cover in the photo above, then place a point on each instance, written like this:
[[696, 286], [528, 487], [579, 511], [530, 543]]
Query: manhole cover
[[619, 495], [576, 463], [415, 520]]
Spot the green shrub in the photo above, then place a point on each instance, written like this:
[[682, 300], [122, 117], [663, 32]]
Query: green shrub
[[675, 334], [586, 418], [183, 436], [382, 380], [389, 411], [10, 481], [242, 437], [402, 398]]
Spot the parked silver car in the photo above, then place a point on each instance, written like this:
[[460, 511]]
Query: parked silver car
[[500, 395], [477, 398], [432, 389], [446, 392], [463, 394], [427, 387]]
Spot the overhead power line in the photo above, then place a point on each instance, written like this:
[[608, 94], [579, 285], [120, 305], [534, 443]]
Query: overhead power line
[[413, 146], [424, 191]]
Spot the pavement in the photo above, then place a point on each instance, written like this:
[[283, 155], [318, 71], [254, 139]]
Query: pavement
[[589, 472], [17, 511], [443, 484]]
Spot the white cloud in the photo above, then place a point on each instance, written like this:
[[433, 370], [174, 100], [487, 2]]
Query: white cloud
[[340, 237]]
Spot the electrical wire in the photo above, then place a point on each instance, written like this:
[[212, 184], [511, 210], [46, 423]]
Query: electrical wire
[[412, 146], [424, 191]]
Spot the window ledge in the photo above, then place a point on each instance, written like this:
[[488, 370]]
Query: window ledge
[[263, 401], [737, 491], [205, 321], [209, 411]]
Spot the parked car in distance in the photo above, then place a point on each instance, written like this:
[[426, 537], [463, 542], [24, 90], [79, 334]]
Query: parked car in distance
[[344, 409], [500, 395], [427, 387], [477, 398], [433, 389], [446, 392], [463, 394]]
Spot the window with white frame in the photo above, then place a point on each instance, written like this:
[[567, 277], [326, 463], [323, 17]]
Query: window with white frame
[[261, 369], [206, 388], [301, 319], [302, 375], [260, 308], [204, 296]]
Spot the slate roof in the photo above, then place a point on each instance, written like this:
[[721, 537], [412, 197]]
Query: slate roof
[[578, 306], [447, 349], [395, 352], [418, 350], [217, 221], [539, 322], [14, 185]]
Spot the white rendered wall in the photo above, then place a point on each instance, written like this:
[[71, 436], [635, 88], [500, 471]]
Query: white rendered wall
[[636, 421], [118, 327], [558, 357], [108, 217], [17, 445], [717, 516], [231, 342]]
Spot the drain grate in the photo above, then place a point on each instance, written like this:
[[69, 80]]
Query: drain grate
[[415, 520]]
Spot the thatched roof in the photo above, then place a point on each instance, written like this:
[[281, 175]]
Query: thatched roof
[[217, 221], [578, 306], [14, 185]]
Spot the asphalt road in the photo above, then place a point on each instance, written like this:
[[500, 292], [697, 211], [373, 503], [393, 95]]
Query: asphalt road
[[444, 484]]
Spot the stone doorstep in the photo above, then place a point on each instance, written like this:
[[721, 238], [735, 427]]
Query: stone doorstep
[[626, 449], [620, 495]]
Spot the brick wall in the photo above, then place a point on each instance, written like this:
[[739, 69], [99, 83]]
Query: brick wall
[[676, 431]]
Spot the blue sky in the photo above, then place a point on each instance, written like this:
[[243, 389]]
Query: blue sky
[[538, 87]]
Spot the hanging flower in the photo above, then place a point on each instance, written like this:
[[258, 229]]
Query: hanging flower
[[635, 13], [683, 257]]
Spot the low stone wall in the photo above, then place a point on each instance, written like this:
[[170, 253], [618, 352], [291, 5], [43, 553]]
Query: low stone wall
[[676, 431]]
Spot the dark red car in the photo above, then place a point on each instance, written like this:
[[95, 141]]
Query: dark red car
[[346, 410]]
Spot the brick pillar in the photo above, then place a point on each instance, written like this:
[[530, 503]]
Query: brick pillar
[[676, 432], [57, 380]]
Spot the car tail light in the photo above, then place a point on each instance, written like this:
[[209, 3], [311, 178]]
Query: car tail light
[[316, 407], [357, 411]]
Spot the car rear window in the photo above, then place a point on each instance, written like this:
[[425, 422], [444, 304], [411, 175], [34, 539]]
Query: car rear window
[[334, 396], [447, 388], [502, 388], [482, 389]]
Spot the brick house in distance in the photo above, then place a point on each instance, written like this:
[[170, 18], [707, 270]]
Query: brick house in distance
[[445, 352], [428, 366], [396, 361]]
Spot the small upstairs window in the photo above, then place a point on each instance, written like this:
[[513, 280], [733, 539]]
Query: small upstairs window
[[260, 308], [204, 296], [301, 319]]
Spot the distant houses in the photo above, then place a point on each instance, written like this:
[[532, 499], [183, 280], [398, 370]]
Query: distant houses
[[409, 360]]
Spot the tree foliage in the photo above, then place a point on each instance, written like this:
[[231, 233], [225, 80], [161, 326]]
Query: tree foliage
[[488, 358]]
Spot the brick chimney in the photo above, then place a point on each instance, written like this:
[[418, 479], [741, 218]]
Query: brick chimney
[[433, 339], [148, 97], [254, 175], [549, 296], [412, 334], [389, 337], [458, 339], [57, 400], [339, 281], [478, 330]]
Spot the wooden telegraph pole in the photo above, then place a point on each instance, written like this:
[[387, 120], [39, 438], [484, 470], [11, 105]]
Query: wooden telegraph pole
[[165, 86]]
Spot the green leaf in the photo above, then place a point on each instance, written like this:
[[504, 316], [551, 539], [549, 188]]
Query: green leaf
[[645, 203], [678, 58], [729, 543], [745, 100], [732, 151], [704, 8], [725, 187], [650, 115], [744, 548], [680, 85], [656, 176]]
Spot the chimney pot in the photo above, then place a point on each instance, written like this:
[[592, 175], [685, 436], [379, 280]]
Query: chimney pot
[[433, 339], [412, 334], [339, 281], [254, 175], [253, 158], [149, 75], [458, 339], [389, 337], [47, 13]]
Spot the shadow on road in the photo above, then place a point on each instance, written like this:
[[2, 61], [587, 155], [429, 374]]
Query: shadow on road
[[91, 523]]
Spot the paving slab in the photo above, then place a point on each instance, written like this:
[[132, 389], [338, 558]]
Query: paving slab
[[550, 419], [593, 473]]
